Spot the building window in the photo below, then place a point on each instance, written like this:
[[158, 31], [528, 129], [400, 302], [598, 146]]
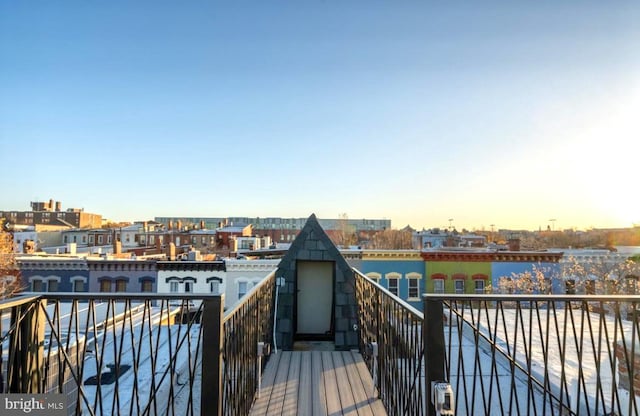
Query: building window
[[393, 286], [146, 286], [214, 286], [173, 287], [242, 289], [414, 288], [105, 286], [78, 285], [479, 286], [99, 239], [121, 285], [91, 239], [459, 284], [53, 286], [37, 285], [438, 286], [188, 287], [590, 287], [84, 239], [374, 276], [393, 282], [64, 239]]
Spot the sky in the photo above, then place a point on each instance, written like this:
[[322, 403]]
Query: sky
[[520, 114]]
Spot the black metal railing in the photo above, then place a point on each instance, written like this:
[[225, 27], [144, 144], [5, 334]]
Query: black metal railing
[[245, 326], [109, 353], [539, 355], [136, 354], [395, 328]]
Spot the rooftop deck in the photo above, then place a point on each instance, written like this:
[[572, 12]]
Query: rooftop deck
[[317, 383]]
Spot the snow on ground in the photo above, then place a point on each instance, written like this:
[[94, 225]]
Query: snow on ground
[[567, 350]]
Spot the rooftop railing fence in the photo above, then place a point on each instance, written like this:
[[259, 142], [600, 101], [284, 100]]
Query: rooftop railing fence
[[503, 354], [540, 354], [136, 354]]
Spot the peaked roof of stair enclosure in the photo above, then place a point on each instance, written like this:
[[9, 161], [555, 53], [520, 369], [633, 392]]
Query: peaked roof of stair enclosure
[[313, 244]]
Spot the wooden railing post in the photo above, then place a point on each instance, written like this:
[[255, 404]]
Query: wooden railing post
[[434, 348], [212, 342]]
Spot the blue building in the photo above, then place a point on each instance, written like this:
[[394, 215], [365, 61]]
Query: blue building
[[535, 266], [400, 271], [54, 274]]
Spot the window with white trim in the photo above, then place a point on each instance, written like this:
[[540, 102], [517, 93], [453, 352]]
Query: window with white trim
[[414, 288], [52, 285], [393, 282], [479, 283], [173, 287], [459, 285], [413, 285], [37, 285], [374, 276], [214, 287], [78, 285]]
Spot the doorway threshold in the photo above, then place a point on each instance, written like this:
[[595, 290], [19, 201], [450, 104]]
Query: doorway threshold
[[314, 346]]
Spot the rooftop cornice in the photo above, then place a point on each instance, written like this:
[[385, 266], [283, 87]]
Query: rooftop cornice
[[496, 256]]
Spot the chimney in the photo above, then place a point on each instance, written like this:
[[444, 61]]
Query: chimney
[[58, 206], [117, 247], [171, 251], [170, 225], [50, 207], [202, 224], [179, 225]]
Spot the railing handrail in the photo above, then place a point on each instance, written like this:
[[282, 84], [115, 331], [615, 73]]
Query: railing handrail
[[17, 301], [532, 297], [393, 297]]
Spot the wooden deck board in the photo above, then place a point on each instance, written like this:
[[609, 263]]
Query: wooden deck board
[[290, 406], [304, 392], [357, 388], [318, 394], [330, 384], [367, 381], [317, 383], [279, 387], [261, 403]]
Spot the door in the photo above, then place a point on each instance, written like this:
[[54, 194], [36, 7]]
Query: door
[[315, 297]]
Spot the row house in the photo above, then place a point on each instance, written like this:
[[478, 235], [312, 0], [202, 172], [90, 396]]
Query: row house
[[122, 275], [400, 271], [205, 277], [53, 274]]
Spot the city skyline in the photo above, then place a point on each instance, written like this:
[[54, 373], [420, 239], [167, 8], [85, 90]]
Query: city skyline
[[521, 116]]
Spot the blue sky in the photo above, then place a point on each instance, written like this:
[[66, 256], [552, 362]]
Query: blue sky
[[505, 113]]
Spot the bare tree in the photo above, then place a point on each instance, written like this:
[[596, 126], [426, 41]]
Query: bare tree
[[392, 240], [10, 283], [344, 234]]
